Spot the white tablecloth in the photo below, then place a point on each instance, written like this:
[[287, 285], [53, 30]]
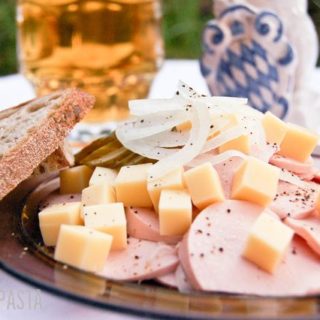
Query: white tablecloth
[[15, 295]]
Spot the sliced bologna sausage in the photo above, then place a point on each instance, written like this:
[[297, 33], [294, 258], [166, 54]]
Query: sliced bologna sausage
[[226, 171], [293, 201], [292, 165], [211, 255], [168, 280], [176, 279], [308, 229], [141, 260], [57, 198], [143, 224], [182, 281]]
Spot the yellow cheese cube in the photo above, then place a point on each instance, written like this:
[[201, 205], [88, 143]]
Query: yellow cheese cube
[[73, 180], [241, 144], [131, 186], [83, 248], [204, 185], [97, 194], [51, 218], [172, 181], [109, 218], [103, 175], [298, 143], [275, 129], [267, 242], [175, 212], [255, 181]]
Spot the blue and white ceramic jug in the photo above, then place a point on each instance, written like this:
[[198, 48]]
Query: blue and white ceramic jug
[[250, 51]]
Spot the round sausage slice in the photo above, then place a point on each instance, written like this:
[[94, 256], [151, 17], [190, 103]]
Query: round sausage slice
[[211, 256], [226, 171], [176, 279], [293, 201], [308, 229], [57, 198], [141, 260], [292, 165], [168, 280], [143, 224]]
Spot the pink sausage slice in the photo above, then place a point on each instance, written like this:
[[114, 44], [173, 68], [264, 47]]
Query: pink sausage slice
[[168, 280], [176, 279], [182, 281], [226, 171], [143, 224], [141, 260], [211, 256], [264, 152], [293, 201], [308, 229], [292, 165], [57, 198]]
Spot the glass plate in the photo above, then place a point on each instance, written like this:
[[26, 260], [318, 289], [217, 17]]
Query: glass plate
[[23, 255]]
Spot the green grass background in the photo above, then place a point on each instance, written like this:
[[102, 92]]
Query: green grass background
[[182, 26]]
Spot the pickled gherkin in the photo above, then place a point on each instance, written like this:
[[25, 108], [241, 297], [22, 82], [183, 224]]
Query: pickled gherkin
[[108, 152]]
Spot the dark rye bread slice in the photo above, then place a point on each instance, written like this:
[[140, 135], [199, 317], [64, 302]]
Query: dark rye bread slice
[[32, 131]]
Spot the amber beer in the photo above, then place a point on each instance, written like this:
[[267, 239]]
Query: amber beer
[[111, 49]]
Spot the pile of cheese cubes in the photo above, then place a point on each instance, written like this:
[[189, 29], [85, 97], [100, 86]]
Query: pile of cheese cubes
[[84, 232]]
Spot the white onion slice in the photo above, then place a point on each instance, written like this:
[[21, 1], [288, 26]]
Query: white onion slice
[[143, 127], [216, 159], [169, 139], [188, 93], [150, 151], [222, 138], [198, 136]]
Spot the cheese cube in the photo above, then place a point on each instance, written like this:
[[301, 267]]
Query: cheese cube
[[172, 181], [275, 129], [103, 175], [83, 248], [73, 180], [98, 194], [109, 218], [255, 181], [204, 185], [51, 218], [175, 212], [267, 242], [298, 143], [131, 186], [241, 144]]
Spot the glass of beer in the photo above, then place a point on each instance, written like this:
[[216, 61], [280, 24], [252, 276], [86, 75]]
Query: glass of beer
[[109, 48]]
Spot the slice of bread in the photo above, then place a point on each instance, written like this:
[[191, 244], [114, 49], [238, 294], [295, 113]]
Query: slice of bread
[[32, 131], [59, 159]]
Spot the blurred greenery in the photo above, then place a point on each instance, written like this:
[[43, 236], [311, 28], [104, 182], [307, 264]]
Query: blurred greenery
[[7, 37], [182, 26]]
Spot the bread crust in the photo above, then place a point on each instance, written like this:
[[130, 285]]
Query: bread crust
[[44, 138]]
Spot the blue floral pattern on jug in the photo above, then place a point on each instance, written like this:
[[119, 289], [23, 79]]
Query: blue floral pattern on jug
[[246, 54]]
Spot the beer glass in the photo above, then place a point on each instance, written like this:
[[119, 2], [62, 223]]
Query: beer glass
[[109, 48]]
